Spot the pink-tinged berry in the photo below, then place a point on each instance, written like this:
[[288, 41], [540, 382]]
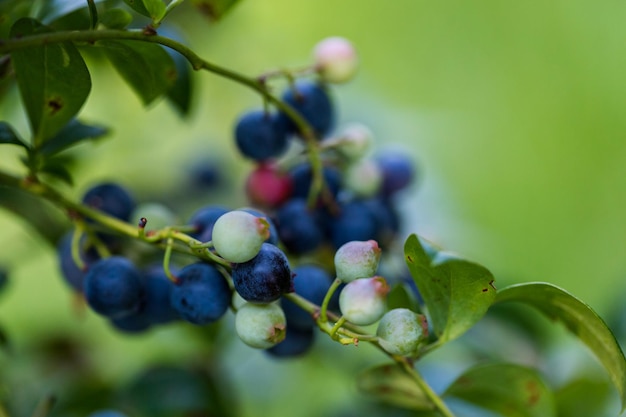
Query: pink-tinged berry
[[364, 301], [238, 235], [401, 331], [354, 141], [261, 325], [336, 59], [357, 259], [267, 187]]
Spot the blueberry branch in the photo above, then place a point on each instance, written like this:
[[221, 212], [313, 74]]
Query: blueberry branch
[[197, 63]]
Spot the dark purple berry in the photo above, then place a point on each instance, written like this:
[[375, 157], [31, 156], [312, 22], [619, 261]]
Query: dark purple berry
[[203, 220], [397, 169], [261, 136], [111, 199], [202, 294], [312, 101], [113, 287], [298, 227], [302, 177], [354, 222], [310, 282], [265, 277]]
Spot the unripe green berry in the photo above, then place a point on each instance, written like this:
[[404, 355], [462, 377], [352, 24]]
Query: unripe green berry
[[354, 141], [261, 325], [238, 236], [364, 301], [357, 259], [336, 59], [401, 331], [363, 178]]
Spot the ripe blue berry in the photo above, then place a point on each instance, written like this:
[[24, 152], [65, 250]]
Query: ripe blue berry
[[297, 342], [302, 177], [201, 295], [363, 301], [401, 331], [397, 171], [355, 221], [260, 325], [310, 282], [111, 199], [265, 277], [260, 135], [238, 235], [204, 219], [357, 259], [311, 100], [298, 227], [113, 287]]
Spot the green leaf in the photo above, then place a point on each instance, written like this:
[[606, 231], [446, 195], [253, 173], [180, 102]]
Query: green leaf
[[146, 67], [53, 80], [390, 384], [180, 93], [456, 292], [512, 390], [580, 319], [399, 297], [154, 9], [73, 133], [583, 397], [8, 135], [57, 170], [214, 9], [116, 18]]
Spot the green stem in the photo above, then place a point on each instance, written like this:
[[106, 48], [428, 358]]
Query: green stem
[[75, 248], [324, 309], [432, 395], [166, 260], [171, 6]]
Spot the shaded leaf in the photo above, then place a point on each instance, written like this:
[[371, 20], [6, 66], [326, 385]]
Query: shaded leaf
[[509, 389], [146, 67], [53, 80], [8, 135], [154, 9], [390, 384], [73, 133], [58, 170], [181, 92], [4, 279], [116, 18], [214, 9], [399, 297], [11, 11], [456, 292], [578, 318], [4, 341], [583, 397]]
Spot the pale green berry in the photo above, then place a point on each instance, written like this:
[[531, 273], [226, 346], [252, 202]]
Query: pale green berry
[[364, 301], [336, 59], [401, 331], [354, 141], [261, 325], [363, 178], [357, 259], [238, 236]]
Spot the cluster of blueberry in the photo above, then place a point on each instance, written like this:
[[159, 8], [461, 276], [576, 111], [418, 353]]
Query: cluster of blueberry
[[351, 214]]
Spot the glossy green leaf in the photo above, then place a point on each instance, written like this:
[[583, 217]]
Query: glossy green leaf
[[8, 135], [399, 297], [11, 11], [456, 292], [580, 319], [154, 9], [508, 389], [146, 67], [73, 133], [390, 384], [53, 80], [116, 18], [214, 9]]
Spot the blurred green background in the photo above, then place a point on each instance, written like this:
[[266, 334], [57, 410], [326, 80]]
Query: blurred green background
[[513, 112]]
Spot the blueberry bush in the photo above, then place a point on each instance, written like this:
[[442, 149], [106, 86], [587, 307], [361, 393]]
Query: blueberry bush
[[318, 252]]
